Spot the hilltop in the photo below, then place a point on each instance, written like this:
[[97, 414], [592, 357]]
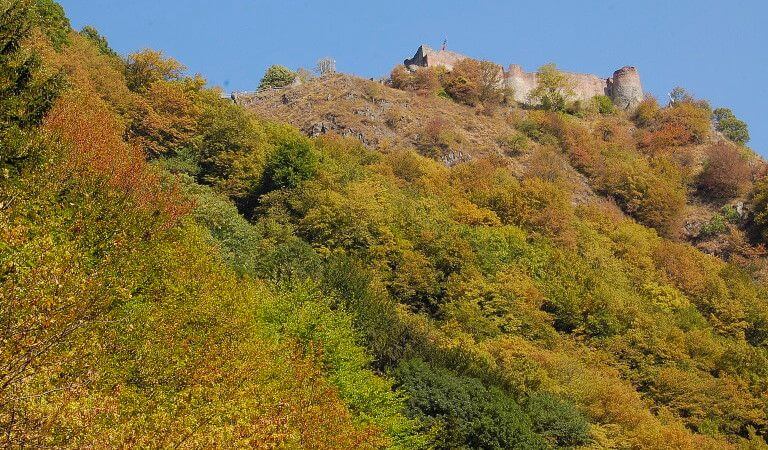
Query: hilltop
[[623, 88], [386, 118]]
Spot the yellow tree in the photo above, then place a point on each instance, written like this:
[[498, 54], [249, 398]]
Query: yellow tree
[[553, 90]]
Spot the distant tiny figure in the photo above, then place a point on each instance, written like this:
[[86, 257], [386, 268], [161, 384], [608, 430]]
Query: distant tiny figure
[[445, 44]]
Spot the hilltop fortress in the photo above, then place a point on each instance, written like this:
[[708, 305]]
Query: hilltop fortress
[[623, 87]]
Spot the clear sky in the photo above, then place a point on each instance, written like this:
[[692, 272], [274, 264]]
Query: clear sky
[[717, 49]]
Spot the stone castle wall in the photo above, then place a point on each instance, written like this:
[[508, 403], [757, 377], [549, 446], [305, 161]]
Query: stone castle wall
[[427, 57], [624, 87]]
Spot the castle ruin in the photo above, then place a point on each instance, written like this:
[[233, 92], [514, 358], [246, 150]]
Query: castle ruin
[[623, 87]]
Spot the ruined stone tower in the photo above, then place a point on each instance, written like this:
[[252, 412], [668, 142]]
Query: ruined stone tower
[[427, 57], [623, 87]]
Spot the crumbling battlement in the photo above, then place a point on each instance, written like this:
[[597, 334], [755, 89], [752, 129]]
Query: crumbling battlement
[[623, 87]]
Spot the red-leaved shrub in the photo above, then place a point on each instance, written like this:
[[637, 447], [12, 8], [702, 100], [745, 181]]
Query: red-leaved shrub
[[96, 151], [726, 173]]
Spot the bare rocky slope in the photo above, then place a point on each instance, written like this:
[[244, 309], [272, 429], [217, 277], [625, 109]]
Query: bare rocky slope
[[385, 118]]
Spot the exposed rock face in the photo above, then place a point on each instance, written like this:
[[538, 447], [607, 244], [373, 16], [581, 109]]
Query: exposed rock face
[[623, 88]]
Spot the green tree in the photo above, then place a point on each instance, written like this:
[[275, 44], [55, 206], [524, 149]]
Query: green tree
[[146, 67], [26, 94], [604, 104], [230, 147], [52, 20], [732, 128], [558, 420], [553, 90], [292, 162], [276, 77], [759, 217], [680, 95], [100, 41], [471, 415]]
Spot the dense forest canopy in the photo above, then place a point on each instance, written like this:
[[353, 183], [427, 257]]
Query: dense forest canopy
[[177, 271]]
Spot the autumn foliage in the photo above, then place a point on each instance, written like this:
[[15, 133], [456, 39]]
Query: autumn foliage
[[95, 149], [471, 82], [178, 272], [726, 172], [425, 81], [683, 123]]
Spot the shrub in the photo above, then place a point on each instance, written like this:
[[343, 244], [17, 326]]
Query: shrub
[[277, 76], [400, 78], [424, 80], [461, 89], [472, 82], [693, 116], [726, 172], [680, 124], [716, 225], [759, 216], [655, 196], [513, 144], [558, 420], [647, 112], [730, 214], [537, 126], [436, 137], [603, 103], [292, 162], [547, 162], [394, 116], [469, 414], [553, 90], [666, 136], [731, 127]]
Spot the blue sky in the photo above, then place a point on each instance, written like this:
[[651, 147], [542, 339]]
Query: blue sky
[[716, 49]]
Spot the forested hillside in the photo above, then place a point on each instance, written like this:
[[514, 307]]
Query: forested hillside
[[178, 271]]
